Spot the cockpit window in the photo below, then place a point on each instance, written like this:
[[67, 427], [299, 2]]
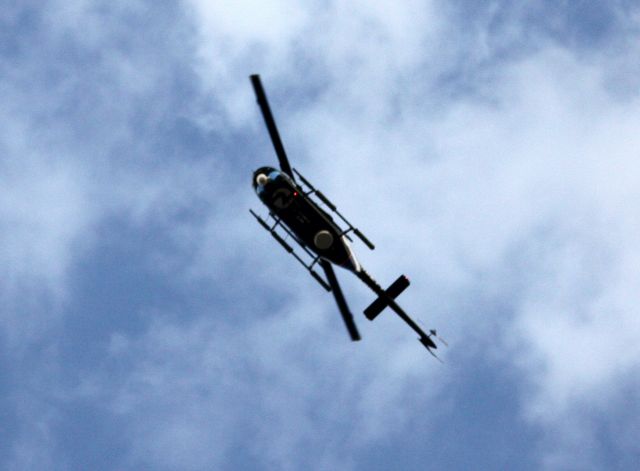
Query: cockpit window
[[274, 175], [263, 178]]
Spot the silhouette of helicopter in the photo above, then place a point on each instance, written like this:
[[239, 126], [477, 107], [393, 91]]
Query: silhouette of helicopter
[[316, 232]]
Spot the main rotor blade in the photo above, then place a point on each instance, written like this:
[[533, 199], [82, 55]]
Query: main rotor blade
[[342, 303], [261, 97]]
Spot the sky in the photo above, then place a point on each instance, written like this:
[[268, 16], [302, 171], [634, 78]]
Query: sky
[[489, 150]]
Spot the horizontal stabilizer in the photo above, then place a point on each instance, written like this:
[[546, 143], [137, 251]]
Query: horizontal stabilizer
[[393, 291]]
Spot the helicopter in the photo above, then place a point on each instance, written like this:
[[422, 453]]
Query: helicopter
[[295, 208]]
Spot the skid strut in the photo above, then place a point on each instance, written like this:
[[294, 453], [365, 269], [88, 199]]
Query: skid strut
[[288, 248], [332, 207]]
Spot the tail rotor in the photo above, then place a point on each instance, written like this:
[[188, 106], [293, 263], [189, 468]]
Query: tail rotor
[[429, 344], [433, 333]]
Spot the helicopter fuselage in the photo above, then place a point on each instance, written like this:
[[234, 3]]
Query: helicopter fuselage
[[305, 221], [313, 227]]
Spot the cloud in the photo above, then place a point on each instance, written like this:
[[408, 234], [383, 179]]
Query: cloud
[[489, 157], [192, 394], [77, 149], [43, 214], [564, 157], [78, 157], [509, 165], [527, 194]]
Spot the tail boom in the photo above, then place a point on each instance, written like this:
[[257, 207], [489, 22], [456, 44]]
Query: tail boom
[[424, 338]]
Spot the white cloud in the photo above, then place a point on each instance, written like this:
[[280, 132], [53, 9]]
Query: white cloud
[[562, 182], [521, 189], [43, 210], [538, 169], [195, 393], [548, 168], [73, 155]]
